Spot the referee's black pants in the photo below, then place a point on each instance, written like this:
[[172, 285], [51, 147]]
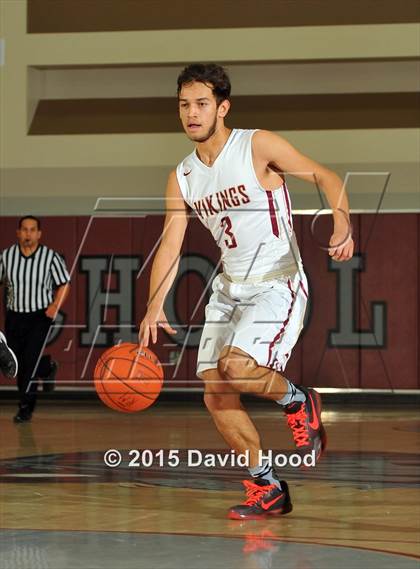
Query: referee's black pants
[[26, 333]]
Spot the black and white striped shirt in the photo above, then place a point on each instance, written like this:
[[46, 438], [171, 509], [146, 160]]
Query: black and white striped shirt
[[30, 280]]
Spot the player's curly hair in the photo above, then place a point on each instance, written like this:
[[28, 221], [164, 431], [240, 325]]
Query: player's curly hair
[[207, 73]]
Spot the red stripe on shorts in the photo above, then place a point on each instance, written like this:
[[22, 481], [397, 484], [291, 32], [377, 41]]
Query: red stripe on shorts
[[286, 355], [283, 328]]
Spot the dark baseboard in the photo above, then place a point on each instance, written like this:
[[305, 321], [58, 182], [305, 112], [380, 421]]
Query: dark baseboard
[[346, 399]]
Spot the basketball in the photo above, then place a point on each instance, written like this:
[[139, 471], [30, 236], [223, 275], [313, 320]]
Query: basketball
[[127, 378]]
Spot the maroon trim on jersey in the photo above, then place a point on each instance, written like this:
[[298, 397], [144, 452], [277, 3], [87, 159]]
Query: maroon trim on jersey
[[303, 288], [287, 200], [283, 328], [272, 210]]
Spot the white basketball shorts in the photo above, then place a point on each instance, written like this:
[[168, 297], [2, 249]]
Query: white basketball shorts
[[263, 319]]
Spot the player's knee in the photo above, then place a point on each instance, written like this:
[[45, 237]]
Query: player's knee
[[215, 387], [235, 368], [218, 402], [213, 402]]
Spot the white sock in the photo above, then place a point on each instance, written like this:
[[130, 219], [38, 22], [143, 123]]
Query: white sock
[[293, 394], [266, 472]]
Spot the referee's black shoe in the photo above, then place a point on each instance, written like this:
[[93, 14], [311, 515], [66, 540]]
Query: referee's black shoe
[[48, 383], [23, 415], [8, 361]]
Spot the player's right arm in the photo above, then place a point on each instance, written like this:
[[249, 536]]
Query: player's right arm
[[165, 264]]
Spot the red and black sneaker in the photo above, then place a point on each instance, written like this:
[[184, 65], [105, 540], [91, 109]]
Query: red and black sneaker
[[304, 419], [262, 500]]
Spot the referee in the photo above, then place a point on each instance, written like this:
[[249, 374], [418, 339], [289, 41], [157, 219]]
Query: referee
[[37, 284]]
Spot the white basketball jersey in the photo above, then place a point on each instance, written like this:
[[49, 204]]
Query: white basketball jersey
[[252, 226]]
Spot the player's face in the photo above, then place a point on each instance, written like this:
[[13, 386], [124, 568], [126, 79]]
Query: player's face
[[199, 112], [28, 234]]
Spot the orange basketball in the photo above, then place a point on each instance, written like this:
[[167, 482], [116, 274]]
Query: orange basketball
[[128, 378]]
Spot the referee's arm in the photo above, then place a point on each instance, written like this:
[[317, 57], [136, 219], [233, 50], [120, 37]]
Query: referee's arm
[[61, 293], [61, 279]]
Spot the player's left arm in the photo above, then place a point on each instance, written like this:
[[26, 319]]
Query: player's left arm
[[276, 152]]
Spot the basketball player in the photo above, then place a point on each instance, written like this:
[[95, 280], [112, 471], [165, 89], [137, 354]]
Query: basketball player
[[234, 181]]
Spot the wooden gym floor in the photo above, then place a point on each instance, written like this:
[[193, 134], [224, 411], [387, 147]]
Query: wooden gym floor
[[61, 507]]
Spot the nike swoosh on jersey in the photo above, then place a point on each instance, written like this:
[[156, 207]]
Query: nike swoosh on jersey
[[266, 505], [314, 424], [187, 173]]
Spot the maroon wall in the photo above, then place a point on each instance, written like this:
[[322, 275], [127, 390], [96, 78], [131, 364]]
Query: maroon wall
[[362, 327]]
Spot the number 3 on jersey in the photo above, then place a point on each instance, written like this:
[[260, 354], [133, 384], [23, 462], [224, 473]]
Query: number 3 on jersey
[[226, 224]]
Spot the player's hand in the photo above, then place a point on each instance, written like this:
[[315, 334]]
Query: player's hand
[[341, 246], [51, 311], [154, 319]]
